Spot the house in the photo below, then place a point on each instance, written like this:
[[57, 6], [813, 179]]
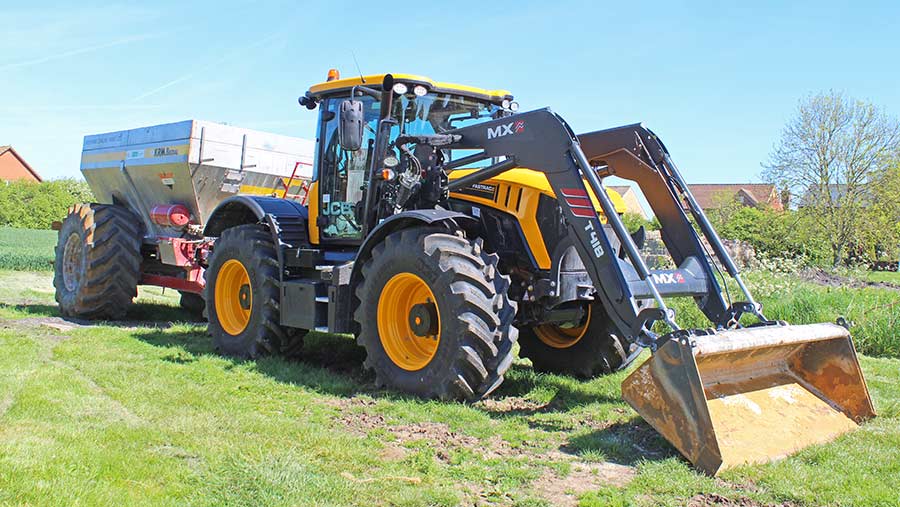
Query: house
[[715, 195], [632, 204], [14, 167]]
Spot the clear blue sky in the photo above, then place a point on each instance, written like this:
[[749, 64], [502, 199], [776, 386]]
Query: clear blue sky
[[716, 80]]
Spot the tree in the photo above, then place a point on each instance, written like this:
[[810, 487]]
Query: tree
[[827, 155], [881, 231]]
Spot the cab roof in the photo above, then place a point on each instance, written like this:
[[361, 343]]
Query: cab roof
[[336, 85]]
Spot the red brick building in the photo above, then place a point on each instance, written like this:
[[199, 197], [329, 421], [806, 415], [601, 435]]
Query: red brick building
[[716, 195], [14, 167]]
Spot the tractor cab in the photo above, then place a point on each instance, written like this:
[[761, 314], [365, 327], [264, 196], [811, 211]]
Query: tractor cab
[[350, 112]]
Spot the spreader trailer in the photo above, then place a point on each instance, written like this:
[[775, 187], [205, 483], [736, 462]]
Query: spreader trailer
[[155, 189]]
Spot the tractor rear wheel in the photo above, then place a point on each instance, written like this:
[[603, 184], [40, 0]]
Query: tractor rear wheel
[[434, 315], [585, 349], [242, 293], [98, 261]]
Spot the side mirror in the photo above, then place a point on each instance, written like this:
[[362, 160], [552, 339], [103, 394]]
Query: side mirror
[[351, 124]]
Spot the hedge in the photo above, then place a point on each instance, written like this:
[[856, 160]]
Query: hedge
[[30, 205]]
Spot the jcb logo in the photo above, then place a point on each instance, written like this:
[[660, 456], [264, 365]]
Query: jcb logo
[[595, 241], [513, 127]]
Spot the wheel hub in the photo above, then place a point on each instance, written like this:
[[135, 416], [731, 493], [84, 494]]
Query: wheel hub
[[244, 296], [423, 319], [72, 261]]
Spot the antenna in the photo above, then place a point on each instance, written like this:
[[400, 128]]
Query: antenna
[[357, 67]]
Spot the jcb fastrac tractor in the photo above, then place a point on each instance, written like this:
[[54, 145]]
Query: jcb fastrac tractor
[[440, 226]]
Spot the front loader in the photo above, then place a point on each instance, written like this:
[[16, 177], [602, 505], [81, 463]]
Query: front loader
[[443, 226]]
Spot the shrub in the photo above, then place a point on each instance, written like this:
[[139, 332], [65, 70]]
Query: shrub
[[788, 234], [30, 205], [633, 222]]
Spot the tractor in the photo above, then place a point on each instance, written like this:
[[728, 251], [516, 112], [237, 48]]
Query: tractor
[[441, 226]]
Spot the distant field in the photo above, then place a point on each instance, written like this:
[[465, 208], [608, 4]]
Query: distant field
[[27, 249]]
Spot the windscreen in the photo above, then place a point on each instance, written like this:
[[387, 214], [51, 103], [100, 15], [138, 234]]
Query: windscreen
[[436, 113]]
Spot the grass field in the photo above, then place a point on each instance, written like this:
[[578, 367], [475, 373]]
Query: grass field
[[146, 414], [26, 249]]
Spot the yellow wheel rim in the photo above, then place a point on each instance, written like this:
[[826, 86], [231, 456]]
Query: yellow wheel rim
[[234, 297], [407, 301], [563, 337]]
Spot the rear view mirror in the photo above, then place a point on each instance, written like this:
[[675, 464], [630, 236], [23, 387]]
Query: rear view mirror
[[351, 124]]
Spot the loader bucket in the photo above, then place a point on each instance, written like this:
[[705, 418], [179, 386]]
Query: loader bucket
[[751, 395]]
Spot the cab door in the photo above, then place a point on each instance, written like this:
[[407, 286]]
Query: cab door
[[342, 174]]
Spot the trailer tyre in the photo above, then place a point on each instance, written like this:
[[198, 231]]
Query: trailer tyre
[[434, 315], [98, 261], [192, 303], [586, 350], [242, 293]]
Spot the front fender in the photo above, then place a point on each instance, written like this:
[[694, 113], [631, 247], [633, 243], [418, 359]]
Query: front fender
[[407, 219]]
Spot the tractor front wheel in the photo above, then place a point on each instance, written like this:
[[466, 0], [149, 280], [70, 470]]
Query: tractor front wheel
[[434, 315]]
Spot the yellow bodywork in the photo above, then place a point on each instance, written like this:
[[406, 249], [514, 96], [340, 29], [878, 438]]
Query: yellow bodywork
[[437, 86], [518, 193]]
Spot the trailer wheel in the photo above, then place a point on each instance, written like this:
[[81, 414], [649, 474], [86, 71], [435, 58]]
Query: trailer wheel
[[584, 350], [98, 261], [242, 293], [192, 303], [434, 316]]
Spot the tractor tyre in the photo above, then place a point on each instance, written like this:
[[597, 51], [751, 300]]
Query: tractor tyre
[[243, 294], [292, 344], [434, 315], [98, 261], [586, 350], [192, 303]]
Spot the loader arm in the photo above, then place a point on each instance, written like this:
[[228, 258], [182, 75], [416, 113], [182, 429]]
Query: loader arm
[[542, 141], [722, 396]]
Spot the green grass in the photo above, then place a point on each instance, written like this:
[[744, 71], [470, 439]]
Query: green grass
[[27, 249], [884, 276], [150, 415], [874, 313]]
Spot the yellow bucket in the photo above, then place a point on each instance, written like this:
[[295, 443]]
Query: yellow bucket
[[751, 395]]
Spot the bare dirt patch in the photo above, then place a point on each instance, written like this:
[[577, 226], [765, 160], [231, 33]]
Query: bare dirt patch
[[511, 404], [716, 500], [822, 277], [582, 478], [558, 489], [68, 324]]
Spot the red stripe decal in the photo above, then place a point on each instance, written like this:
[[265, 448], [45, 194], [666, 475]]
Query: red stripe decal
[[584, 212], [579, 203], [573, 192]]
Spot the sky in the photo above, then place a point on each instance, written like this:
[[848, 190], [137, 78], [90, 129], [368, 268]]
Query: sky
[[716, 81]]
